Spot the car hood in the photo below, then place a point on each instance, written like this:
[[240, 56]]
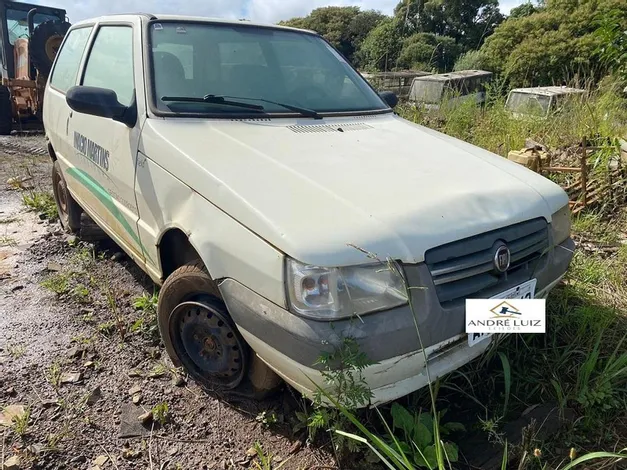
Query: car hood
[[316, 188]]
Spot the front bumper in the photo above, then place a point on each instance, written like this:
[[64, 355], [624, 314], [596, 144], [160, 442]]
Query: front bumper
[[290, 344]]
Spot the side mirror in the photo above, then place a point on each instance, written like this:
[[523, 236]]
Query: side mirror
[[101, 102], [390, 98]]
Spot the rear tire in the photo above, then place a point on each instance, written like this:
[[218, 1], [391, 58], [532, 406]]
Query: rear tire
[[6, 111], [68, 209], [192, 283]]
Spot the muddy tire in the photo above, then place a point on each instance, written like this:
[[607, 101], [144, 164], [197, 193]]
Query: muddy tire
[[199, 334], [45, 42], [6, 111], [68, 209]]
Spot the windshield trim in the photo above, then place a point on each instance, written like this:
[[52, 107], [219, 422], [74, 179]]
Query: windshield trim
[[151, 96]]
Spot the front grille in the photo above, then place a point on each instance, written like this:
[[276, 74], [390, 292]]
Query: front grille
[[465, 268]]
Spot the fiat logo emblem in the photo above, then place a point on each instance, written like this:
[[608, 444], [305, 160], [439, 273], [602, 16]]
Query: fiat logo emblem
[[502, 258]]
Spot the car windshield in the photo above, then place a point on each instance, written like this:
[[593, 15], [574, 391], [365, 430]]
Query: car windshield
[[248, 64], [17, 24], [529, 103]]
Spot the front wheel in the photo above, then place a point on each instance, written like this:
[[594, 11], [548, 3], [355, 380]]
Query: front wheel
[[199, 334]]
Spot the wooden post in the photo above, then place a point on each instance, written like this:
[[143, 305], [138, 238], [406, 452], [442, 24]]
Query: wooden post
[[584, 172]]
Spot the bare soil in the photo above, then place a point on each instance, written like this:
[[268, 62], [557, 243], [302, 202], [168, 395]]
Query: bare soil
[[72, 349]]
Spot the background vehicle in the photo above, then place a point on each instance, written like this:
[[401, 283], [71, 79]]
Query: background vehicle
[[30, 38], [539, 101], [455, 87]]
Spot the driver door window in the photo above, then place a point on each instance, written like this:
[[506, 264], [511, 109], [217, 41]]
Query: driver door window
[[110, 63]]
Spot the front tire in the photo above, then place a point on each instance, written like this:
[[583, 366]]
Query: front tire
[[199, 335], [68, 209]]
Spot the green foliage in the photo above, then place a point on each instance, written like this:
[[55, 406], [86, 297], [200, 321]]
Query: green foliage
[[602, 113], [343, 380], [417, 436], [525, 9], [59, 283], [42, 202], [553, 45], [20, 423], [427, 51], [381, 48], [267, 418], [343, 374], [612, 35], [160, 412], [146, 324], [344, 27], [471, 60], [53, 375], [468, 22]]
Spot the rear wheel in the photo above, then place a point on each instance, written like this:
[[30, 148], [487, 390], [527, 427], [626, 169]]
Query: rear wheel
[[199, 334], [68, 209], [6, 111]]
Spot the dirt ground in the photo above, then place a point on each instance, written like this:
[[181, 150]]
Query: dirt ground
[[79, 363]]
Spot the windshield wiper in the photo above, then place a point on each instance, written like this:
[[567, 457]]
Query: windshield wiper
[[213, 99], [227, 100], [297, 109]]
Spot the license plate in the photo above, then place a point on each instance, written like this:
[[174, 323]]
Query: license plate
[[525, 290]]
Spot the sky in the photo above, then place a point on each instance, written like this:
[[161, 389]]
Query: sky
[[265, 11]]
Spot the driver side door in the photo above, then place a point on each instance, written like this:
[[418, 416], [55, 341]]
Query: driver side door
[[106, 150]]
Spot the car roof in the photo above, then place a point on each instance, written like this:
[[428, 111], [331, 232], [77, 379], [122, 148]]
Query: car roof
[[454, 75], [549, 90], [201, 19]]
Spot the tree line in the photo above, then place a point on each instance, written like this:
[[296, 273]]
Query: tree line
[[543, 43]]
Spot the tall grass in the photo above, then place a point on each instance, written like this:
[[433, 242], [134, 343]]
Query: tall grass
[[601, 113]]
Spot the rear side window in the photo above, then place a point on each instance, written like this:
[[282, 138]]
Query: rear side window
[[110, 62], [69, 59]]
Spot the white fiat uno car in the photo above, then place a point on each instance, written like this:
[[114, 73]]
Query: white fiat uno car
[[241, 164]]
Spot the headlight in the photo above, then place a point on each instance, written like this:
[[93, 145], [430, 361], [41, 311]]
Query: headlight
[[332, 293], [560, 224]]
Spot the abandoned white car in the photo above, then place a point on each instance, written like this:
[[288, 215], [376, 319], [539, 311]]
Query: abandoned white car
[[540, 102], [240, 165]]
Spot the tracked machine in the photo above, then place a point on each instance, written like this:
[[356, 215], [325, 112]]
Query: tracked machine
[[30, 36]]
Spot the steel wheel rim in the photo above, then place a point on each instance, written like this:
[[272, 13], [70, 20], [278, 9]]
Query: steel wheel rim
[[207, 344]]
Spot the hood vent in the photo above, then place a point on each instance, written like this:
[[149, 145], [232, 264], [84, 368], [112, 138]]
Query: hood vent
[[317, 128], [252, 120]]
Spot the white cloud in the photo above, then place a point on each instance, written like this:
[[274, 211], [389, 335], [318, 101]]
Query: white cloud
[[268, 11]]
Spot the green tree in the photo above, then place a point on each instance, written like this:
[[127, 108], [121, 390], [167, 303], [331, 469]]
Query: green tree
[[612, 35], [552, 46], [381, 48], [469, 22], [523, 10], [471, 60], [427, 51], [344, 27]]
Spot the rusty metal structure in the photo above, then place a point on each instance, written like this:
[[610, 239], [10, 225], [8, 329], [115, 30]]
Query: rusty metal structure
[[397, 82], [30, 36], [595, 173]]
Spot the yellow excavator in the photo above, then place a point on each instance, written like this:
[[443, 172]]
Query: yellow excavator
[[30, 36]]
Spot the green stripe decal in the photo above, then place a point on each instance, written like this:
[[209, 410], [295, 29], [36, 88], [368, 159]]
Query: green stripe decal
[[106, 200]]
